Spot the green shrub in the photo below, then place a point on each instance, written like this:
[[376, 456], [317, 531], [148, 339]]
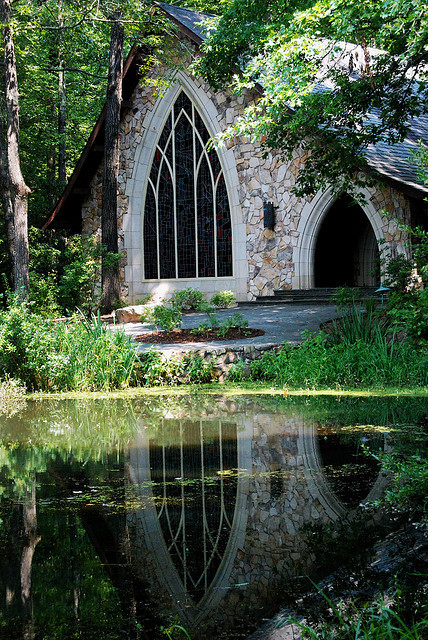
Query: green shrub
[[148, 297], [187, 299], [166, 318], [211, 311], [408, 279], [237, 321], [223, 299], [201, 328], [345, 297], [238, 371], [410, 313], [317, 363], [66, 355], [63, 273], [197, 370], [156, 370]]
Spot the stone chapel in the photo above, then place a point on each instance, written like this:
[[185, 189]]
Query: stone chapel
[[226, 219]]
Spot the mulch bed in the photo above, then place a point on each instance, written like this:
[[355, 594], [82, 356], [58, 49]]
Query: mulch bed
[[186, 335]]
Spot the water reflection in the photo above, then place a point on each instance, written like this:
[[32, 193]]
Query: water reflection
[[118, 517]]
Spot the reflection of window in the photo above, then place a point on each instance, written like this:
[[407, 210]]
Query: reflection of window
[[195, 479], [187, 230]]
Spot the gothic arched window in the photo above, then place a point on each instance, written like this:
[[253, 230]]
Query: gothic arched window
[[187, 231]]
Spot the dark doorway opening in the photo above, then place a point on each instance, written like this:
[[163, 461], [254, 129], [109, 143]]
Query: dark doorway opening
[[346, 251]]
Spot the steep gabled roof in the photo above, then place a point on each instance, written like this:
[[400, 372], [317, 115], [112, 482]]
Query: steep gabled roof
[[393, 162], [67, 210]]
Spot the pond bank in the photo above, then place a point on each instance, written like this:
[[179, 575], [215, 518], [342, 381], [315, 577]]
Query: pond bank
[[372, 576]]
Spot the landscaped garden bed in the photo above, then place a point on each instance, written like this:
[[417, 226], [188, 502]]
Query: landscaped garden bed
[[190, 335]]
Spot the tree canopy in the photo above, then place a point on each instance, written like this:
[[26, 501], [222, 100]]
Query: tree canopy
[[337, 76]]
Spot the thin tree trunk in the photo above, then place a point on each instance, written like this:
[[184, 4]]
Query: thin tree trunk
[[62, 113], [31, 539], [6, 199], [75, 570], [110, 269], [18, 188]]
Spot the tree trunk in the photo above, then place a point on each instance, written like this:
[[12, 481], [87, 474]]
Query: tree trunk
[[6, 199], [18, 188], [110, 268], [62, 113], [31, 539]]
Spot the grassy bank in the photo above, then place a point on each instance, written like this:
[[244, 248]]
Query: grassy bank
[[77, 354]]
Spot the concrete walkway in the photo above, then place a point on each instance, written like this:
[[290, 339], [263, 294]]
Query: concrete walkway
[[281, 323]]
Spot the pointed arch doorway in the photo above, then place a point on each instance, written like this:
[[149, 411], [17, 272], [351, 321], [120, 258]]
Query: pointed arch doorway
[[346, 250]]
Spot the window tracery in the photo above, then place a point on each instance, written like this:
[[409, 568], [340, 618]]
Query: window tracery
[[187, 231]]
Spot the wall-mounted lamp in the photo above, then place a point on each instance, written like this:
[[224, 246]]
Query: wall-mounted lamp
[[269, 215]]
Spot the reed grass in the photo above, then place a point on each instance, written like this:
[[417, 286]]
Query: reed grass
[[65, 355]]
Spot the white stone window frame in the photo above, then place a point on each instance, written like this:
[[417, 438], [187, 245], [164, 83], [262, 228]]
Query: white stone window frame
[[136, 189], [172, 169]]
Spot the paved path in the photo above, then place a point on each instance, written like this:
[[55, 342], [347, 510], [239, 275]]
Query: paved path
[[281, 322]]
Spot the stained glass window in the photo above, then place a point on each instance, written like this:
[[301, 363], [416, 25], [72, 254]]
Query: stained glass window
[[187, 231]]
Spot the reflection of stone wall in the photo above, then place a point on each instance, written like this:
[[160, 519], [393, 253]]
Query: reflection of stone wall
[[270, 256], [284, 496]]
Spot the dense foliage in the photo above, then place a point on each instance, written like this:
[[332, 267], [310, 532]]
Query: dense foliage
[[318, 364], [76, 354], [291, 47]]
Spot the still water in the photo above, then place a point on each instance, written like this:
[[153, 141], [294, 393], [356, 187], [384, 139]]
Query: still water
[[120, 518]]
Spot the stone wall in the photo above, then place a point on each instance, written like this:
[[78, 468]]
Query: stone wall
[[264, 259]]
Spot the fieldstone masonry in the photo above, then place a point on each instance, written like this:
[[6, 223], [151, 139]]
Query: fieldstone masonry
[[264, 259]]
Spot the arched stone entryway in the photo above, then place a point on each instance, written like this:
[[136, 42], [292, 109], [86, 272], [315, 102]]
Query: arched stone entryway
[[337, 243], [346, 251]]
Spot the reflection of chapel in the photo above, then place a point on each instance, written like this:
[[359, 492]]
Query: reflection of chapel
[[193, 216]]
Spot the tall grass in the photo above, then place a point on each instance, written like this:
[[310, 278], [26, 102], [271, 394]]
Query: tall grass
[[356, 350], [375, 620], [378, 362], [65, 355]]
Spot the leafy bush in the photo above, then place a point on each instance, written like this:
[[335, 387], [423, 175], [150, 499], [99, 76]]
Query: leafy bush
[[148, 297], [63, 273], [211, 311], [198, 370], [316, 363], [410, 312], [73, 354], [223, 299], [165, 317], [187, 299], [238, 371], [408, 300], [237, 321], [156, 370], [345, 297]]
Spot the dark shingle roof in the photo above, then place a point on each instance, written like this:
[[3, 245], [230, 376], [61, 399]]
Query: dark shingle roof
[[392, 161], [188, 18]]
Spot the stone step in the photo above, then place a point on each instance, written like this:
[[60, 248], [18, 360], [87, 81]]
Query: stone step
[[318, 295]]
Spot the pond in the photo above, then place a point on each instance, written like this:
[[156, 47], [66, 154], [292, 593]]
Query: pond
[[120, 518]]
